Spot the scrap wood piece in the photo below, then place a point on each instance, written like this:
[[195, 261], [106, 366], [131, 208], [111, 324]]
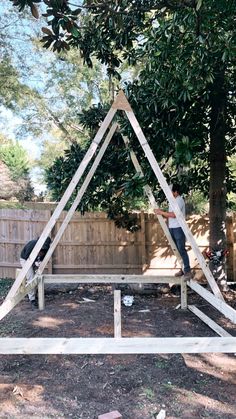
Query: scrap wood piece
[[111, 415], [161, 414]]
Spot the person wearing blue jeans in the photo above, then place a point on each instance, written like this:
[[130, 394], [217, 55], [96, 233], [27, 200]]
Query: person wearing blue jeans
[[176, 231]]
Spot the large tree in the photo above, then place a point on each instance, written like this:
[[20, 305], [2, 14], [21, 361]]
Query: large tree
[[15, 167], [185, 93]]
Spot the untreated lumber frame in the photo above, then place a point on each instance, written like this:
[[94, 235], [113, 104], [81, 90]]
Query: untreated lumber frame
[[104, 279], [95, 346]]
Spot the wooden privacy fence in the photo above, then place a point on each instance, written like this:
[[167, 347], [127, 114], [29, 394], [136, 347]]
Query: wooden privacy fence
[[93, 244]]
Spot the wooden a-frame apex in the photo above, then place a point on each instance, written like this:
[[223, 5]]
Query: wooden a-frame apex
[[121, 102]]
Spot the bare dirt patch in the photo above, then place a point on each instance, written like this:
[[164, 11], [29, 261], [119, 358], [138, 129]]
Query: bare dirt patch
[[138, 386]]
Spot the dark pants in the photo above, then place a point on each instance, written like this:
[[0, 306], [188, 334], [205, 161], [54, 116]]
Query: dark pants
[[178, 236]]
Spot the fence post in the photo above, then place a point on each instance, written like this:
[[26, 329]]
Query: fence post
[[234, 244], [143, 242]]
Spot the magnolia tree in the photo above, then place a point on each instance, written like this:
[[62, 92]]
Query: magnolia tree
[[184, 93]]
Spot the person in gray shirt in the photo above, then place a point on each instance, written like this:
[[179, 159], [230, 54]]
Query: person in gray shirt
[[176, 231]]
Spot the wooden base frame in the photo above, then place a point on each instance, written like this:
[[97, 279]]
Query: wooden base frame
[[119, 345]]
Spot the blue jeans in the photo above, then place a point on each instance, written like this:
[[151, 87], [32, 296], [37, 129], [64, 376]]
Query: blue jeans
[[178, 236]]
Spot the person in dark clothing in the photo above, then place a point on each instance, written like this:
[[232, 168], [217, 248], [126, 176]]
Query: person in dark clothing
[[26, 251]]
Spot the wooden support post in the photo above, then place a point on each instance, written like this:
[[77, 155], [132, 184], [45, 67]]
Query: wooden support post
[[184, 303], [41, 299], [117, 313]]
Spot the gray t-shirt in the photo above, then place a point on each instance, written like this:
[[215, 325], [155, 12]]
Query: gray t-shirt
[[173, 222]]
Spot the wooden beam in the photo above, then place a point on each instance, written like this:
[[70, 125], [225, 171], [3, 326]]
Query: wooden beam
[[153, 203], [41, 299], [67, 194], [117, 313], [184, 304], [160, 177], [106, 279], [213, 325], [84, 346], [78, 198], [220, 305]]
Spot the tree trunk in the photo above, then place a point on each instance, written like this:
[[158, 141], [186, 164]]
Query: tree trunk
[[217, 177]]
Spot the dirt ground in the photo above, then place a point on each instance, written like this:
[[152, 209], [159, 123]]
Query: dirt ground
[[138, 386]]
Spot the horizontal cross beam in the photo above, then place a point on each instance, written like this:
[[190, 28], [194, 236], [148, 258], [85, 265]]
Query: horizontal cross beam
[[82, 346]]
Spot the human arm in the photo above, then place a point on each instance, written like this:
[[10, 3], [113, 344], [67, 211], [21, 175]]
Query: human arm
[[166, 214]]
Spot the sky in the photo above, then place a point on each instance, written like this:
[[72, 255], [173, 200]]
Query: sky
[[34, 74]]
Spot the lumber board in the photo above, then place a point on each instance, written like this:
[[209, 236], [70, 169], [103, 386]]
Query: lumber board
[[163, 183], [184, 296], [153, 203], [207, 320], [220, 305], [106, 279], [78, 198], [67, 194], [82, 346], [117, 313]]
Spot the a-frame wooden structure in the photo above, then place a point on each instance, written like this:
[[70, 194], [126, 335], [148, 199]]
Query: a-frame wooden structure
[[226, 343]]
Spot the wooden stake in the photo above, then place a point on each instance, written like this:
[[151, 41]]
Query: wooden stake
[[117, 313]]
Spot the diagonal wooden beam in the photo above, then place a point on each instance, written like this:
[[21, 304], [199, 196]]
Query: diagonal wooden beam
[[78, 198], [67, 194], [220, 305], [207, 320], [153, 203], [160, 177]]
